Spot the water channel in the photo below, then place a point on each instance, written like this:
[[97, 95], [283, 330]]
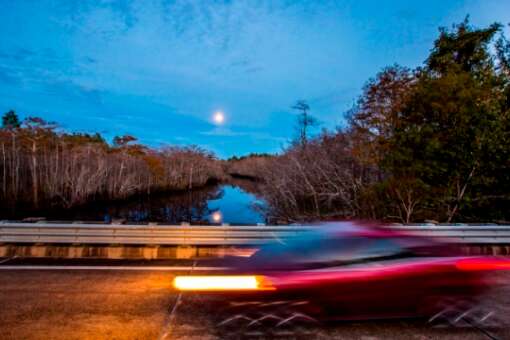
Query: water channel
[[231, 203]]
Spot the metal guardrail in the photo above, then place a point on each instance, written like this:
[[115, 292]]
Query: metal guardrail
[[143, 234], [470, 234], [82, 233]]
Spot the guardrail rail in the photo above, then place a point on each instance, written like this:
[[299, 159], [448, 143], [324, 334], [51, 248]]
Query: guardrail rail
[[226, 235], [143, 234]]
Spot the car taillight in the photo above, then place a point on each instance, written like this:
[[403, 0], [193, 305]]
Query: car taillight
[[482, 264], [222, 283]]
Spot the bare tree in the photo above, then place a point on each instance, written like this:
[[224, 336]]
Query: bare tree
[[39, 164], [304, 121]]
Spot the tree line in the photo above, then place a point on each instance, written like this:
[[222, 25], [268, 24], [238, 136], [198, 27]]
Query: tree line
[[249, 166], [430, 143], [40, 165]]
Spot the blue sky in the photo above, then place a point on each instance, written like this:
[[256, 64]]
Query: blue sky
[[158, 69]]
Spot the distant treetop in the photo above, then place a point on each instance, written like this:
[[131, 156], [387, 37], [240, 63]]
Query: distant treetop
[[123, 140], [251, 155], [10, 120]]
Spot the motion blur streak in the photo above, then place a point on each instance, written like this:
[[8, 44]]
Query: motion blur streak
[[354, 270], [201, 283], [478, 264]]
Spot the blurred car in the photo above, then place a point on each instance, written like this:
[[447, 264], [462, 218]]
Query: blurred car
[[349, 273]]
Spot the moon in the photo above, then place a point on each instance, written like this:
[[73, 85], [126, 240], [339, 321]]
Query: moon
[[219, 117]]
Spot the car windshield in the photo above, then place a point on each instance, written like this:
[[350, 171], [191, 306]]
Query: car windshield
[[316, 250]]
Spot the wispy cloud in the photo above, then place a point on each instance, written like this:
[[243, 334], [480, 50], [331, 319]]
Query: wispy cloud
[[159, 68]]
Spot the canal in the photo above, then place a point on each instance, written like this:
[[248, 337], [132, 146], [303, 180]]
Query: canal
[[233, 203]]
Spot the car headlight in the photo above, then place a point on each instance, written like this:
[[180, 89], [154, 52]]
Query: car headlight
[[222, 283]]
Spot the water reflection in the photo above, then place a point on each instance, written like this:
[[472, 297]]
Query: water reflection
[[189, 207], [227, 203], [236, 206], [216, 217]]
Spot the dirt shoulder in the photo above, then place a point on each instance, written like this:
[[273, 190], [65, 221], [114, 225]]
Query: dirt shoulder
[[83, 304]]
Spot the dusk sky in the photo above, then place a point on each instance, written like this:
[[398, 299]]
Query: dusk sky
[[160, 69]]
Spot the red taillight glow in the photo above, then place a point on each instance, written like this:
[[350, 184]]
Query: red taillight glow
[[222, 283], [483, 264]]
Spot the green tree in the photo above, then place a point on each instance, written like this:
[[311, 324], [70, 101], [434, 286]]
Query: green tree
[[463, 49], [453, 130], [503, 53], [10, 120], [377, 113]]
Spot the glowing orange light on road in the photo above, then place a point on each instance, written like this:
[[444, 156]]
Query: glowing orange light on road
[[221, 282]]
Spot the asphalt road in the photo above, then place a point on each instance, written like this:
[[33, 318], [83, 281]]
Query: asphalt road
[[102, 304]]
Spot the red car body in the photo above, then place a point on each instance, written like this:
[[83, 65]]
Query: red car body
[[360, 273]]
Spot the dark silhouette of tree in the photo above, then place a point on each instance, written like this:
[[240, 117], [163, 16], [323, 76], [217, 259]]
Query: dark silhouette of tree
[[378, 110], [451, 130], [503, 53], [10, 120], [120, 141], [304, 121]]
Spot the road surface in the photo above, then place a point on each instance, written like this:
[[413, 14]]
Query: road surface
[[140, 304]]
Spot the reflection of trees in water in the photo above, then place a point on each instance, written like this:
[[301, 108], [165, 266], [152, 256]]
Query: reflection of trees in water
[[188, 206], [252, 187], [176, 207], [169, 208]]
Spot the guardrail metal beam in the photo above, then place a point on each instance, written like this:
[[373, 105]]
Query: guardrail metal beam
[[82, 233]]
